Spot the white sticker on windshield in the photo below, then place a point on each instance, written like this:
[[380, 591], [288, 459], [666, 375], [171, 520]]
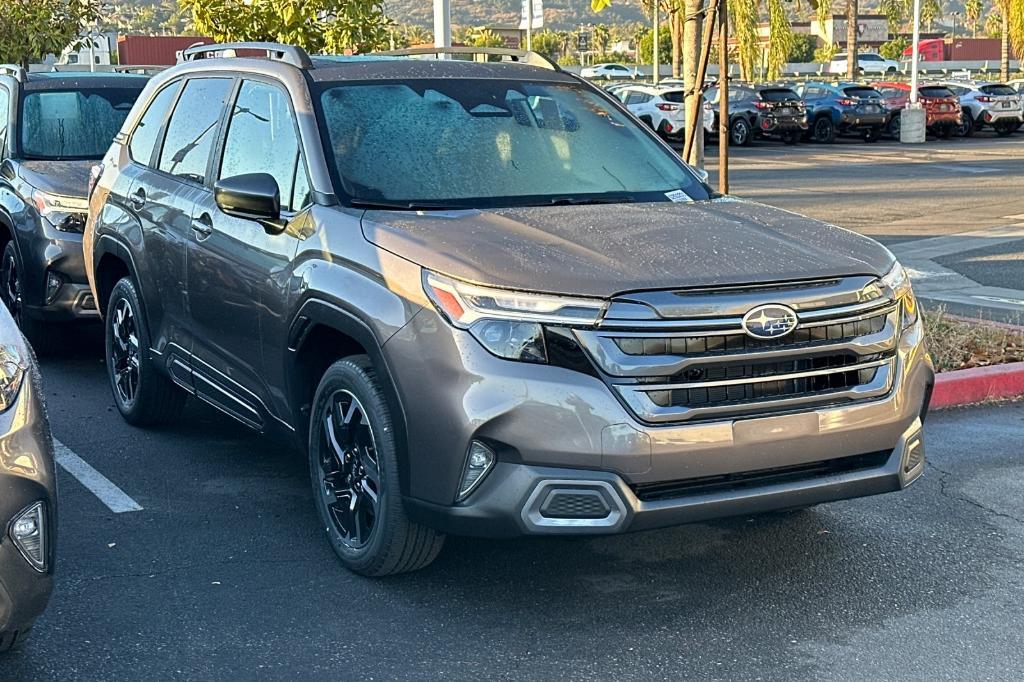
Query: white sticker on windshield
[[677, 195]]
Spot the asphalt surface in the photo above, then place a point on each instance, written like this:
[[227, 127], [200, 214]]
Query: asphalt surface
[[965, 191], [223, 575]]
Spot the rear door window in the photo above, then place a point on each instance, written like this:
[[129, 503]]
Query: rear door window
[[262, 139], [144, 137], [193, 128]]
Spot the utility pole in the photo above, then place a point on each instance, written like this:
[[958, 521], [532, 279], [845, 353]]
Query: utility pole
[[913, 118], [657, 33], [529, 24], [723, 97], [442, 23]]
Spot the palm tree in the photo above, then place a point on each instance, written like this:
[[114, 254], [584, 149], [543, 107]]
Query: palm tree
[[601, 36], [972, 15], [1011, 13]]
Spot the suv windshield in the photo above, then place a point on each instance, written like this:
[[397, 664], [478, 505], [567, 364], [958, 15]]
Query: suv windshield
[[492, 143], [73, 124]]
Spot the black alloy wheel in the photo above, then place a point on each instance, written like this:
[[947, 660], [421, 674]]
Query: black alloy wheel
[[350, 474], [124, 352], [824, 130]]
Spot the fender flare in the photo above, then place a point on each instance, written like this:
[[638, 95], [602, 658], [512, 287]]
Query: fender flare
[[107, 244], [315, 312]]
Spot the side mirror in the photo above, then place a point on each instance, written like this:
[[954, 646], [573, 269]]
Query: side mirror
[[252, 196]]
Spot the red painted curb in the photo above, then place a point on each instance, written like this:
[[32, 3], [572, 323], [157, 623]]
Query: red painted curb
[[978, 384]]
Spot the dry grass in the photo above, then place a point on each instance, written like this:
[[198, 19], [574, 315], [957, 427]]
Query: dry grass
[[959, 343]]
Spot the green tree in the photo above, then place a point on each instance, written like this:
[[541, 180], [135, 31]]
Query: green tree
[[894, 48], [930, 11], [487, 38], [802, 51], [826, 53], [646, 47], [332, 26], [601, 37], [547, 43], [32, 29], [895, 12]]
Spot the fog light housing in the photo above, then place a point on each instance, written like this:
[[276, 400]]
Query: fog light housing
[[28, 531], [54, 282], [479, 462]]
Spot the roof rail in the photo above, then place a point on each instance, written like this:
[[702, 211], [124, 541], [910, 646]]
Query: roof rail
[[513, 55], [140, 69], [15, 70], [289, 54]]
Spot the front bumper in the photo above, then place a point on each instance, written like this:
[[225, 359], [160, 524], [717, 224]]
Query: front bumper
[[51, 251], [26, 476], [548, 423]]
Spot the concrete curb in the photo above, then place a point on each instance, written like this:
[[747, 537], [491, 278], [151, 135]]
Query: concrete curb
[[978, 384]]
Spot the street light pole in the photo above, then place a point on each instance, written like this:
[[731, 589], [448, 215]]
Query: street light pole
[[913, 118], [529, 25], [442, 23], [914, 61], [657, 47]]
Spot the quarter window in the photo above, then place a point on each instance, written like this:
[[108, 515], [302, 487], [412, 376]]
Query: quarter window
[[192, 129], [144, 138], [262, 139]]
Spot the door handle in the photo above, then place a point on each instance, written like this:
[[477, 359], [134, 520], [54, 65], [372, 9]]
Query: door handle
[[138, 199], [203, 225]]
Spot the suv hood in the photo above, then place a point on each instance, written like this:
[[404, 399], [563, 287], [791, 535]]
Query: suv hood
[[604, 250], [65, 178]]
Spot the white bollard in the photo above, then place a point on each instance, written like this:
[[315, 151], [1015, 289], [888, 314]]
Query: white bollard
[[912, 124]]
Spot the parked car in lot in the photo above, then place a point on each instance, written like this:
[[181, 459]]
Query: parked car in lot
[[516, 345], [662, 109], [941, 105], [28, 490], [53, 128], [983, 104], [609, 71], [868, 63], [843, 109], [758, 111]]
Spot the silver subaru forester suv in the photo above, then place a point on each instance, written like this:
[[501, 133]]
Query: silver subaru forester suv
[[485, 299]]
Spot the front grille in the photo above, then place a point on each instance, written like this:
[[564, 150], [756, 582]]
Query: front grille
[[685, 369], [648, 492]]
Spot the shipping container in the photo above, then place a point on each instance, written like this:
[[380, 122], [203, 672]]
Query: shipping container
[[154, 50], [959, 50]]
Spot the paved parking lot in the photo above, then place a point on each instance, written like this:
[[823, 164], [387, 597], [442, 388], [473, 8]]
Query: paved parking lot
[[222, 575], [958, 202], [212, 565]]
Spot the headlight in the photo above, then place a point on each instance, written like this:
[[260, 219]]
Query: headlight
[[66, 214], [507, 323], [898, 280], [12, 372]]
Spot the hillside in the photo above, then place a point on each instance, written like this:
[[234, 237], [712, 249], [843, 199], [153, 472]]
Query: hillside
[[558, 14]]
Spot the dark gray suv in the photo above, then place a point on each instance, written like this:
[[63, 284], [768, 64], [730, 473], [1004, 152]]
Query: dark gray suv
[[486, 300], [53, 128]]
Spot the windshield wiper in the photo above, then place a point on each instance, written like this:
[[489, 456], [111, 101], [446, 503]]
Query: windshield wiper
[[580, 201], [384, 205]]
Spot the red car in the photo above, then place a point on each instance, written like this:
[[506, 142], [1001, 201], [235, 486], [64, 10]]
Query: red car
[[941, 105]]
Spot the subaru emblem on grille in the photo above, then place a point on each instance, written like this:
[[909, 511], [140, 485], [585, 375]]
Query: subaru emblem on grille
[[769, 321]]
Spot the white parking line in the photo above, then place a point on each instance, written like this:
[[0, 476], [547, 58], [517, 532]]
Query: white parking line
[[98, 484]]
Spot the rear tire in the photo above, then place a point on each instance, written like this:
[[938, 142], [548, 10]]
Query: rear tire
[[824, 131], [739, 132], [143, 395], [872, 135], [966, 127], [43, 338], [353, 465], [1005, 130], [791, 137]]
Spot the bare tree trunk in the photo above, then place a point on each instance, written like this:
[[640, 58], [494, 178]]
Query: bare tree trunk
[[851, 39], [1004, 46], [675, 27], [691, 51]]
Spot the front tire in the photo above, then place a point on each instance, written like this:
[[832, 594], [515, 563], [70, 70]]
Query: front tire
[[143, 395], [353, 464], [42, 340]]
